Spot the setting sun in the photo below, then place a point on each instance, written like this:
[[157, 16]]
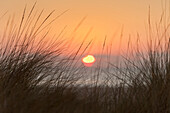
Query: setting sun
[[88, 60]]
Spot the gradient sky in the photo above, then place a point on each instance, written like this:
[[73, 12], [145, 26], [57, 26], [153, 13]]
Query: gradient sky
[[106, 17]]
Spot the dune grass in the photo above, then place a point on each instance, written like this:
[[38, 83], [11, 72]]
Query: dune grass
[[36, 78]]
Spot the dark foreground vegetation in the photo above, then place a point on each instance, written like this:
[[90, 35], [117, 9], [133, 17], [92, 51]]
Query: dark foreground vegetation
[[36, 78]]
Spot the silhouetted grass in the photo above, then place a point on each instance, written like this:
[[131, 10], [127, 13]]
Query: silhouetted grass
[[37, 77]]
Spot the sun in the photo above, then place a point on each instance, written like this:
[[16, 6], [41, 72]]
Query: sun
[[88, 60]]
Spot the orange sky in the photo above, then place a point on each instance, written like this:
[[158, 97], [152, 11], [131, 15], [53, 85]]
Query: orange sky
[[106, 17]]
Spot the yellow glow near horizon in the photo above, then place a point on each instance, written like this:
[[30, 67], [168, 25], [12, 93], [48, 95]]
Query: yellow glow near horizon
[[88, 60]]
